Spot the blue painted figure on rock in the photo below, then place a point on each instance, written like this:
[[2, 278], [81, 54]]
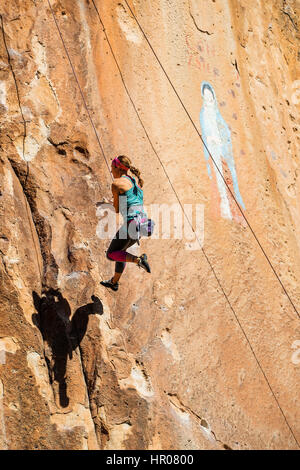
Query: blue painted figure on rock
[[217, 137]]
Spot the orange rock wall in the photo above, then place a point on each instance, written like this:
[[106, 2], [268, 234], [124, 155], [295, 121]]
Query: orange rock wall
[[204, 352]]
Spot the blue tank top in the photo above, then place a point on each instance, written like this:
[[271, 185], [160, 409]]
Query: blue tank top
[[131, 202]]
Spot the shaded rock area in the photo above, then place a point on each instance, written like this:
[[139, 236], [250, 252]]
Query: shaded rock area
[[204, 352]]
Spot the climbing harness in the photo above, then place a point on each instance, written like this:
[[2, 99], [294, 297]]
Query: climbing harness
[[144, 226]]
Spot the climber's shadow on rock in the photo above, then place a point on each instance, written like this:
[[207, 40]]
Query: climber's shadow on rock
[[80, 319], [61, 335]]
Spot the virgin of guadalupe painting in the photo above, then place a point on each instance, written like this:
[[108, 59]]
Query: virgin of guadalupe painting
[[217, 138]]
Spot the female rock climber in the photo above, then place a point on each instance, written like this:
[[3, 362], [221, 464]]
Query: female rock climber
[[128, 200]]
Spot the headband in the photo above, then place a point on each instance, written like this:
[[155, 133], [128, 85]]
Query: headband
[[116, 163]]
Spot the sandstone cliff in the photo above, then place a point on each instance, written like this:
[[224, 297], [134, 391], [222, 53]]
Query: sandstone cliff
[[204, 352]]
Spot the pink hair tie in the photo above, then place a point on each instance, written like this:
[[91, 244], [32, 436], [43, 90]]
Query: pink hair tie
[[116, 163]]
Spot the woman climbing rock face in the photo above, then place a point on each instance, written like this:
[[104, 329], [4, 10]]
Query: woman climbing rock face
[[127, 200]]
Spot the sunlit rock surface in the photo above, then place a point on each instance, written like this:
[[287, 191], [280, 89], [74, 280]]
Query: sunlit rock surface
[[204, 352]]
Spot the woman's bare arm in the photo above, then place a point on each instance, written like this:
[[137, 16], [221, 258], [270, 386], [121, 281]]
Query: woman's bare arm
[[115, 191]]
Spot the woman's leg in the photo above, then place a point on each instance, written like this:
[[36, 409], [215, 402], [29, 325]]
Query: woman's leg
[[117, 252], [120, 266]]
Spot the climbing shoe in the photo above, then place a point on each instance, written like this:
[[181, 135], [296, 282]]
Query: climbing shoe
[[143, 263], [110, 284]]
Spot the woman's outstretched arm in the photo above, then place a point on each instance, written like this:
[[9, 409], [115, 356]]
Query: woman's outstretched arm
[[115, 191]]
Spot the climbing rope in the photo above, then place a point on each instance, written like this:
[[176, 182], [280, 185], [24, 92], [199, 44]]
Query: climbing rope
[[81, 92], [85, 105], [196, 129], [23, 145], [203, 251], [146, 133]]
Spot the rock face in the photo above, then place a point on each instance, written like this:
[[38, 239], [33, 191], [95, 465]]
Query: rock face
[[204, 353]]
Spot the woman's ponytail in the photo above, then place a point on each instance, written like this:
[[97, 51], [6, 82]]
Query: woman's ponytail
[[137, 173], [127, 162]]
